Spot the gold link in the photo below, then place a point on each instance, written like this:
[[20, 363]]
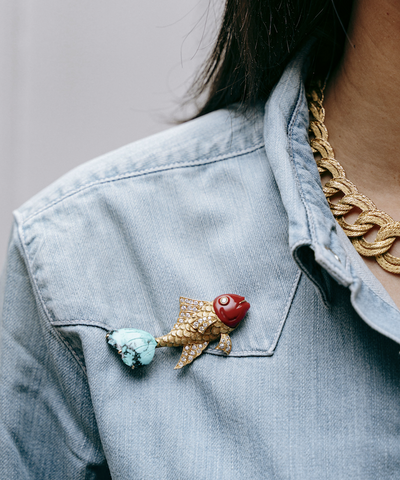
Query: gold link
[[319, 130], [370, 215], [323, 147]]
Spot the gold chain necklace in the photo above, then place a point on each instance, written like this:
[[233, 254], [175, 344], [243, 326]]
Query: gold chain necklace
[[370, 215]]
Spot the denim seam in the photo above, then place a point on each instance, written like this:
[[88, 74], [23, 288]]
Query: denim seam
[[139, 173], [75, 322], [103, 326], [290, 127], [43, 304], [243, 353], [286, 311], [304, 242]]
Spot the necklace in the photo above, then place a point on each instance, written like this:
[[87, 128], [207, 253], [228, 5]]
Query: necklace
[[370, 215]]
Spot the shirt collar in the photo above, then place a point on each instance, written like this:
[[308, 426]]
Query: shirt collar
[[315, 240]]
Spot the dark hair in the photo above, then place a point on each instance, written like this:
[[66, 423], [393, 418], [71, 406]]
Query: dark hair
[[256, 41]]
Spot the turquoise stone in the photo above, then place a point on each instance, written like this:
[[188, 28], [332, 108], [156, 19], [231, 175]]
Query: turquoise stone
[[136, 347]]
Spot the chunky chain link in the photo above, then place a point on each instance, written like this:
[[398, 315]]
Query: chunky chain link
[[370, 215]]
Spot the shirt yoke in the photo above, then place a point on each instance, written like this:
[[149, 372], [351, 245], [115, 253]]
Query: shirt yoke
[[214, 137]]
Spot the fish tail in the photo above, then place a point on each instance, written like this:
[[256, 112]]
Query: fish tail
[[136, 347], [163, 342]]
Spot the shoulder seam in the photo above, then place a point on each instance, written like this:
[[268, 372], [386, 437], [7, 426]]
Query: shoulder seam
[[139, 173]]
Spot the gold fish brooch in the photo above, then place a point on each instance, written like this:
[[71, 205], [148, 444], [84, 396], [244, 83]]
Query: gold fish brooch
[[198, 324]]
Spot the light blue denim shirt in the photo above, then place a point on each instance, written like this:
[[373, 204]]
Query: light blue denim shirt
[[221, 204]]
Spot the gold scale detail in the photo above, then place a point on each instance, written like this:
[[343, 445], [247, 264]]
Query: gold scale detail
[[196, 327], [370, 215]]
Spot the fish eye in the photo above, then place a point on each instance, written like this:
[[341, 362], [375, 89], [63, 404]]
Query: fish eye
[[224, 300]]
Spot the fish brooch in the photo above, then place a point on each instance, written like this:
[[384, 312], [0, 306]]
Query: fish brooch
[[198, 324]]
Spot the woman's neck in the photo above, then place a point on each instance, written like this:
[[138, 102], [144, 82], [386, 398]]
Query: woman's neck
[[363, 103], [362, 106]]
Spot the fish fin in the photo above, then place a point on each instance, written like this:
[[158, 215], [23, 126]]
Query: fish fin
[[190, 352], [225, 343], [195, 315], [206, 323]]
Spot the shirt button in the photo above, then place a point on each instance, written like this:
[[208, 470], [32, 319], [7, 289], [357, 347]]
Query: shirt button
[[334, 254]]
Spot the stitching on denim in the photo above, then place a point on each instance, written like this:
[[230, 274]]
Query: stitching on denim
[[242, 353], [43, 304], [304, 242], [103, 326], [74, 322], [298, 183], [286, 312], [139, 173]]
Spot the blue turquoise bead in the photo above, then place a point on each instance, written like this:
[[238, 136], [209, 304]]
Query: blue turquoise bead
[[136, 347]]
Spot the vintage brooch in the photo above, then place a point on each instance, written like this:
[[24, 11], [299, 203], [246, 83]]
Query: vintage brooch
[[198, 324]]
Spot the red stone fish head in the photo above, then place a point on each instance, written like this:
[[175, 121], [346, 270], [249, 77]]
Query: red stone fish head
[[230, 309]]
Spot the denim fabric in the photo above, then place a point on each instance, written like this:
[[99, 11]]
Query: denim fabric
[[222, 204]]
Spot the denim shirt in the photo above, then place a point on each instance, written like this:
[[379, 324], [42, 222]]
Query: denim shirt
[[223, 204]]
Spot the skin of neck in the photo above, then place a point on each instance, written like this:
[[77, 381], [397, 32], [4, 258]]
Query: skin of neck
[[362, 103]]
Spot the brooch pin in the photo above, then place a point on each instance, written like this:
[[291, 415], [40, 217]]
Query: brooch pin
[[198, 324]]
